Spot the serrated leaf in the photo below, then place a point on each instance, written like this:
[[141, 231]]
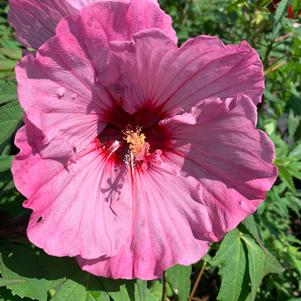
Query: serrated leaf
[[260, 263], [256, 258], [242, 260], [231, 260], [286, 177], [281, 10], [179, 278], [272, 265]]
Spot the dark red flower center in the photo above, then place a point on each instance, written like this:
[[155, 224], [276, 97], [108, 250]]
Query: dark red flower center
[[137, 140]]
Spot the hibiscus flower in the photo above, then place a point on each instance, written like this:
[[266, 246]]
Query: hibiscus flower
[[137, 154]]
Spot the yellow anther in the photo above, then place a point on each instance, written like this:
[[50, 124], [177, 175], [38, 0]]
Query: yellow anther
[[136, 140]]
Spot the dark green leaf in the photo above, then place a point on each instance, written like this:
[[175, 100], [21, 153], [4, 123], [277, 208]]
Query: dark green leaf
[[41, 274]]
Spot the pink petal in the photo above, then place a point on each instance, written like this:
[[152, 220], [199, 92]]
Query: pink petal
[[82, 209], [58, 148], [35, 20], [152, 70], [58, 94], [169, 227], [117, 21], [227, 159]]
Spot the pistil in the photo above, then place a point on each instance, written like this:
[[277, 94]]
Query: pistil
[[138, 147]]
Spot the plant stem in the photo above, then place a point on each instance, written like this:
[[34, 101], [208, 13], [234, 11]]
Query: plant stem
[[196, 284], [274, 38], [267, 54]]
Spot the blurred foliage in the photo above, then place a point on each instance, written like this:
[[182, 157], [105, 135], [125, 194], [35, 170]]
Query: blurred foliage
[[261, 259]]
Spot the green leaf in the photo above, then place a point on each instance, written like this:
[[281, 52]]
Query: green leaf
[[294, 204], [272, 265], [12, 53], [8, 91], [286, 177], [296, 151], [10, 118], [32, 272], [293, 123], [281, 11], [124, 290], [179, 278], [5, 163], [5, 282], [117, 290], [256, 259], [142, 293], [40, 275], [71, 290], [141, 290], [242, 261], [231, 260], [261, 263], [6, 295], [7, 64], [251, 226], [294, 169], [156, 289]]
